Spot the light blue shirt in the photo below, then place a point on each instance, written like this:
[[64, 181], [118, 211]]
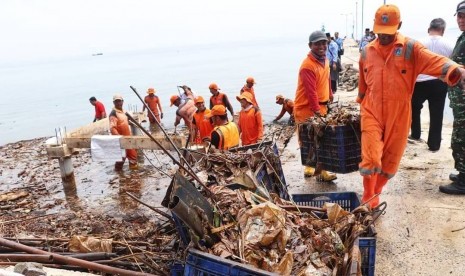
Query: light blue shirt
[[331, 53], [340, 42]]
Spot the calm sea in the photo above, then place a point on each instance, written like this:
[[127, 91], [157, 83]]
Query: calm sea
[[41, 96]]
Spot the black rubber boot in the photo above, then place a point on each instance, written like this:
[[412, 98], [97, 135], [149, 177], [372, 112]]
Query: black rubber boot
[[456, 187], [453, 176]]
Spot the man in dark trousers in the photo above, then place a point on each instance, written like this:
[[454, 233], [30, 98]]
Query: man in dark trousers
[[431, 89]]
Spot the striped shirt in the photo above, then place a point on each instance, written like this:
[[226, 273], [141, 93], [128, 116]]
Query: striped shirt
[[439, 45]]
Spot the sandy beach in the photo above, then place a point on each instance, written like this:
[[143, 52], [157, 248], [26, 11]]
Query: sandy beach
[[421, 233]]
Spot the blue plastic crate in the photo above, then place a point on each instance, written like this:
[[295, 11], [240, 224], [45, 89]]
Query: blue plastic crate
[[182, 229], [348, 201], [199, 263], [177, 269], [338, 149]]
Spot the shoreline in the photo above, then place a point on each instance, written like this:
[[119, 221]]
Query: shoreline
[[418, 234]]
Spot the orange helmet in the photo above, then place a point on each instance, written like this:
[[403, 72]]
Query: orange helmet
[[173, 99], [199, 99], [217, 110], [213, 86], [246, 96]]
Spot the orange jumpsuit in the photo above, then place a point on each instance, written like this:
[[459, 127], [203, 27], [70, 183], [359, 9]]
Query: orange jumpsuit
[[288, 106], [153, 103], [251, 91], [313, 89], [250, 125], [119, 125], [203, 124], [387, 78]]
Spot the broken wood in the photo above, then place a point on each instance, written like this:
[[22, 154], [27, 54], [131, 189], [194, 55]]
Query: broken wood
[[70, 260]]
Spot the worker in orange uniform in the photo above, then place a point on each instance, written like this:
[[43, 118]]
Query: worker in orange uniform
[[389, 66], [288, 106], [201, 121], [314, 89], [248, 87], [185, 111], [219, 98], [119, 125], [225, 135], [250, 121], [99, 109], [153, 103]]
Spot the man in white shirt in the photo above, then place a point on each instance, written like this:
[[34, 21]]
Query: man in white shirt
[[431, 89]]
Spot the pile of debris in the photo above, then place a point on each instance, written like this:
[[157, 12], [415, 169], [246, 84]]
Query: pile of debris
[[241, 218], [348, 77], [82, 242], [281, 237]]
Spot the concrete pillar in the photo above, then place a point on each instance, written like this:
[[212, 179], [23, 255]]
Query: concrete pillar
[[67, 177]]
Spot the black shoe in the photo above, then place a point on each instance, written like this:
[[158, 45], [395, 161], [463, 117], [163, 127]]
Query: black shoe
[[453, 177], [457, 187], [433, 150]]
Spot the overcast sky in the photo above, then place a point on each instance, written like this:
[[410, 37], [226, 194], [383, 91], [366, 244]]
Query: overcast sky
[[32, 29]]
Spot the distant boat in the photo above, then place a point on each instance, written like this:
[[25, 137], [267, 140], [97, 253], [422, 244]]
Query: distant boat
[[97, 54]]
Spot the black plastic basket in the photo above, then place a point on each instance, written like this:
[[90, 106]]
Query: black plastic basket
[[334, 148]]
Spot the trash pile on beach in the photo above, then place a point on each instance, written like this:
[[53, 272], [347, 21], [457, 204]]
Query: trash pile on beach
[[348, 78]]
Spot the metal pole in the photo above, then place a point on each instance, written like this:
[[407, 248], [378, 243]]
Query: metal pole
[[71, 260], [356, 20], [188, 170], [158, 123], [363, 5]]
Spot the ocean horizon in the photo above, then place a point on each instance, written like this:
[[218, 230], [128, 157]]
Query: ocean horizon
[[41, 96]]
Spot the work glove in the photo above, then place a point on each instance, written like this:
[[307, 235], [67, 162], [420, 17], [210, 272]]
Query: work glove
[[161, 115]]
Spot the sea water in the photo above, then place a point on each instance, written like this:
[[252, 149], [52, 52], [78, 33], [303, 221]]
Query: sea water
[[43, 95]]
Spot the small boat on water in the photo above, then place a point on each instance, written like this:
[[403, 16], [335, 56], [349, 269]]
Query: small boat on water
[[97, 54]]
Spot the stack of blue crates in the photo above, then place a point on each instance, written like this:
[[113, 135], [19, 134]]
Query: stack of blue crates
[[338, 148]]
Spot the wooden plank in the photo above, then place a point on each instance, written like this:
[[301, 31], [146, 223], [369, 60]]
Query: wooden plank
[[58, 151], [100, 127], [132, 142]]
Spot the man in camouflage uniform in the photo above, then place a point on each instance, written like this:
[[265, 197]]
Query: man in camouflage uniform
[[457, 103]]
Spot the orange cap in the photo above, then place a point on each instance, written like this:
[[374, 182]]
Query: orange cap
[[279, 97], [246, 96], [173, 99], [199, 99], [213, 86], [387, 20], [250, 80], [217, 110], [151, 91]]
